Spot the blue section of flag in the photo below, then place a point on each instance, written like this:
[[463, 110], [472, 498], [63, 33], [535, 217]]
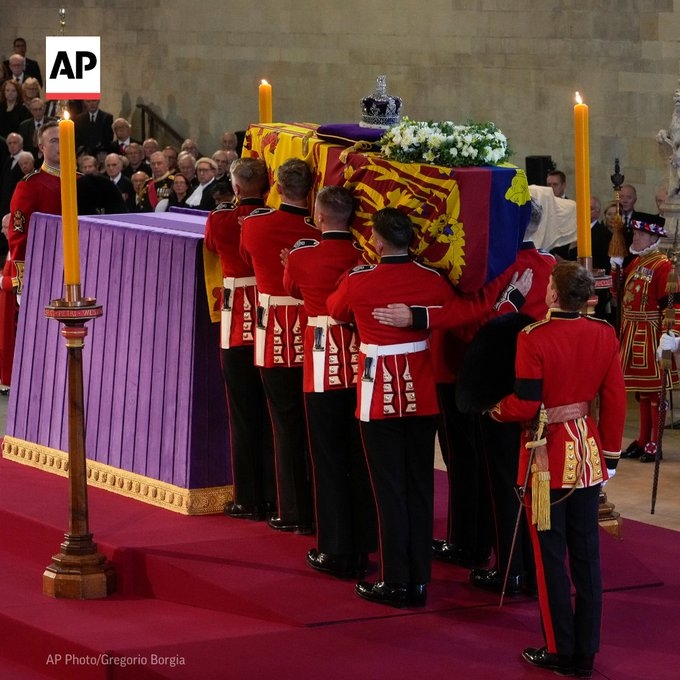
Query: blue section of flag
[[507, 223]]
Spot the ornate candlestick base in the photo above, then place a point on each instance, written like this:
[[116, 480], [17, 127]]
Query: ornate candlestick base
[[610, 520], [78, 571]]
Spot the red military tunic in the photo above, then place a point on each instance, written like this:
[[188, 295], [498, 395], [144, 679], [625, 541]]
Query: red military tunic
[[644, 298], [565, 359], [281, 318], [38, 192], [154, 191], [330, 348], [239, 301], [395, 367], [471, 311]]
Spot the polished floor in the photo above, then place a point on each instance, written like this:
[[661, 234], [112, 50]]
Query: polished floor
[[631, 490]]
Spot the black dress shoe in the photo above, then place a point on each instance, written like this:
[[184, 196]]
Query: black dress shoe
[[391, 594], [583, 665], [238, 511], [492, 579], [340, 566], [542, 658], [281, 524], [448, 552], [417, 594], [634, 450]]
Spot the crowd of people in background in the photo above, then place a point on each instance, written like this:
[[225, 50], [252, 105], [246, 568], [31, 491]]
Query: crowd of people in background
[[310, 337]]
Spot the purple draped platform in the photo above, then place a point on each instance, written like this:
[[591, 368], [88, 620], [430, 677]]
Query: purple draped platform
[[154, 397]]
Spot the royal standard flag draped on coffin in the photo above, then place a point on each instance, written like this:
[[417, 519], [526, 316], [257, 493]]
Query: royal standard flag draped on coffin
[[470, 221]]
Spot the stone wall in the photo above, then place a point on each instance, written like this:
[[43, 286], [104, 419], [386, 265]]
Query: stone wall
[[516, 62]]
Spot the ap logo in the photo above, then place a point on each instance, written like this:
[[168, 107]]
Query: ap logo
[[73, 67]]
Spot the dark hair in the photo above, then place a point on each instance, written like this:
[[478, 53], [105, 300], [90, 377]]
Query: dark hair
[[46, 126], [574, 285], [558, 173], [337, 201], [295, 178], [249, 169], [393, 226]]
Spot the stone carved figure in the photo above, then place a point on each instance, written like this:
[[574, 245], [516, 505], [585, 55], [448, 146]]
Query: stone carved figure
[[671, 138]]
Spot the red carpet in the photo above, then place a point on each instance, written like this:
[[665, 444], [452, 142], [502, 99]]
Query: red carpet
[[209, 597]]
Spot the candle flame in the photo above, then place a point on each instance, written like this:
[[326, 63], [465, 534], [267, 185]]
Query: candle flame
[[66, 115], [264, 82], [578, 99]]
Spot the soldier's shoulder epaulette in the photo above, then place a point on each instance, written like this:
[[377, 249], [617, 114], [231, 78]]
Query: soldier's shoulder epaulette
[[428, 268], [258, 212], [545, 253], [304, 243], [25, 178], [533, 326], [309, 221], [595, 318], [361, 268], [357, 246], [225, 206]]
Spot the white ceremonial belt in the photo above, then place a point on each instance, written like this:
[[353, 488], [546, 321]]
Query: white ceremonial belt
[[230, 283], [371, 354], [401, 348], [267, 301], [264, 302], [320, 325], [323, 321]]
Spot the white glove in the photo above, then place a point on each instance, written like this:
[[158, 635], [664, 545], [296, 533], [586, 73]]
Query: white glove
[[667, 343], [611, 472], [615, 261]]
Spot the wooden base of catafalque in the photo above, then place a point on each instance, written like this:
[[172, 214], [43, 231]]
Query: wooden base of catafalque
[[78, 571]]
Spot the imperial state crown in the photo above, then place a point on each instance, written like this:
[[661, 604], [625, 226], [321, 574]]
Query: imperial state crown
[[380, 110]]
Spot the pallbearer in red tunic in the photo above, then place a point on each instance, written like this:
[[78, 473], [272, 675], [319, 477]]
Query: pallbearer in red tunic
[[281, 320], [345, 511], [252, 453], [563, 364], [644, 300], [38, 192], [397, 402]]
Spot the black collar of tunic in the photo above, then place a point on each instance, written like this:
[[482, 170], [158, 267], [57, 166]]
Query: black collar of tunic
[[295, 209], [395, 259], [336, 236]]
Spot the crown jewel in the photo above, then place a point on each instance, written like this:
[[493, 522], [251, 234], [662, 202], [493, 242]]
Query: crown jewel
[[380, 109]]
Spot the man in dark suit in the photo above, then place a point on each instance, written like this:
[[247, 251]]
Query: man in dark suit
[[113, 166], [10, 174], [121, 137], [31, 67], [600, 237], [94, 129], [29, 128]]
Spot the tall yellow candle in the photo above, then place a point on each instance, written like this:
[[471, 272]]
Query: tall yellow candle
[[582, 178], [265, 102], [69, 204]]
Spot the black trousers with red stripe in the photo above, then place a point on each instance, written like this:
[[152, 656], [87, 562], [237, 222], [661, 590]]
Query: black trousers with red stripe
[[574, 532], [344, 504], [250, 432], [400, 455]]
